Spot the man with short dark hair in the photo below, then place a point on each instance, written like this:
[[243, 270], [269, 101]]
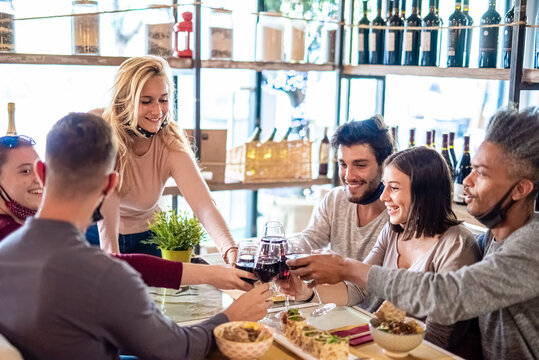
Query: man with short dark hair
[[350, 217], [503, 288], [63, 299]]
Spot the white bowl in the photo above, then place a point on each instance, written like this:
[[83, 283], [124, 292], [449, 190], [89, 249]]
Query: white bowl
[[395, 345], [242, 350]]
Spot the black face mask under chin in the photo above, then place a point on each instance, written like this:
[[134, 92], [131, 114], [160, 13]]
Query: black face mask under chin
[[97, 216], [497, 213], [374, 196]]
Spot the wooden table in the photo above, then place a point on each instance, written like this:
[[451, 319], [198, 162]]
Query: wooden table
[[191, 305]]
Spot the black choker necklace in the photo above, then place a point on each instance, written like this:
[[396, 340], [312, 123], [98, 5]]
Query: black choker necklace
[[148, 134]]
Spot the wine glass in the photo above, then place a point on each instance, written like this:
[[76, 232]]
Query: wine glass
[[298, 247], [247, 250]]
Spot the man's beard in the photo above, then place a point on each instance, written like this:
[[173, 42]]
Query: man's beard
[[372, 188]]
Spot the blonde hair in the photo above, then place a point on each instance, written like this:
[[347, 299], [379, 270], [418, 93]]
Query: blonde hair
[[122, 112]]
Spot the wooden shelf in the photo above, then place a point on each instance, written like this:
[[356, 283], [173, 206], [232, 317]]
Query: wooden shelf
[[173, 189], [262, 65], [528, 75], [50, 59]]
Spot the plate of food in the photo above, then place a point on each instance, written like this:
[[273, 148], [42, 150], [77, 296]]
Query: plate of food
[[309, 342]]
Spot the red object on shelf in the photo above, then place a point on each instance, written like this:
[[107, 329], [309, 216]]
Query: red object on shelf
[[184, 28]]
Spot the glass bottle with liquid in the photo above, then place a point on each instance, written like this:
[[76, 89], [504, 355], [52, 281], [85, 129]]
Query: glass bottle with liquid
[[363, 37], [452, 148], [430, 37], [456, 37], [158, 31], [85, 28], [7, 26], [462, 171], [488, 37], [323, 154], [412, 38], [508, 37], [393, 42], [446, 155], [376, 37], [469, 32], [411, 141]]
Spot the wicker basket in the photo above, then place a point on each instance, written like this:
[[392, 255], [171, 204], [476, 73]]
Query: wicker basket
[[268, 162]]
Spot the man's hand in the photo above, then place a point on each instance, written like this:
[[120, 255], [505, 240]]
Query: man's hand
[[251, 306], [294, 287], [323, 269], [226, 278]]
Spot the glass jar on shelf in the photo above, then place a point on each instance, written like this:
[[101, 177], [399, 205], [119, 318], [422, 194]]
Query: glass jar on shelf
[[85, 28], [296, 45], [329, 40], [158, 30], [7, 27], [221, 34], [270, 37]]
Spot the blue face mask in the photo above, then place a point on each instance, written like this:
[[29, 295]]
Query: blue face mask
[[497, 213]]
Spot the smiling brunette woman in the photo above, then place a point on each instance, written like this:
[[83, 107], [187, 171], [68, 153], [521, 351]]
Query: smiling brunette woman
[[151, 149], [422, 234]]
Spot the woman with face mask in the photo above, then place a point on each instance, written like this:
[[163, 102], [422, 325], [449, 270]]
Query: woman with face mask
[[151, 149], [423, 234], [21, 195]]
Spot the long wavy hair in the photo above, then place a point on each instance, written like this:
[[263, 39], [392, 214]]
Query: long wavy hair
[[122, 111]]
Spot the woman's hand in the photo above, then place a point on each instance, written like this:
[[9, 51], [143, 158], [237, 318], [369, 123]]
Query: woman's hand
[[232, 255], [294, 287], [227, 278]]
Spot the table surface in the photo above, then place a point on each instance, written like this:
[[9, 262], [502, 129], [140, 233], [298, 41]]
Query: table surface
[[192, 304]]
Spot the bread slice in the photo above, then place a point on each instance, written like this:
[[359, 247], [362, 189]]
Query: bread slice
[[388, 312]]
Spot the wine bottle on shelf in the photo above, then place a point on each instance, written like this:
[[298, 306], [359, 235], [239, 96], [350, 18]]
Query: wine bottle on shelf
[[11, 120], [446, 155], [393, 48], [508, 37], [428, 142], [271, 137], [403, 11], [395, 135], [433, 131], [430, 37], [363, 37], [469, 32], [255, 136], [488, 37], [287, 134], [452, 148], [376, 38], [323, 155], [456, 37], [464, 168], [412, 38], [411, 141], [389, 10]]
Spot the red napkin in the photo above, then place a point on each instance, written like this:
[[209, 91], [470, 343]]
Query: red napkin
[[356, 330]]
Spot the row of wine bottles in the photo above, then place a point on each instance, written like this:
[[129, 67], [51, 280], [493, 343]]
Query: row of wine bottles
[[422, 47], [458, 169]]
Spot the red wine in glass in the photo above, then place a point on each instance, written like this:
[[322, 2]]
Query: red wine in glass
[[246, 263], [267, 268]]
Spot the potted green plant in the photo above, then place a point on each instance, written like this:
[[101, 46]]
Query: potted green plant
[[176, 234]]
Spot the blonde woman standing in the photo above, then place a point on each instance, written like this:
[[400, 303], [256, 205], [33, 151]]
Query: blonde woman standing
[[151, 149]]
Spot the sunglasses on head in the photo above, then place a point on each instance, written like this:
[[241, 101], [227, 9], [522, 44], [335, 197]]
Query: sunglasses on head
[[12, 141]]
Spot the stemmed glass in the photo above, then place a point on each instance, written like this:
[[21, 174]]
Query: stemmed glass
[[299, 247], [247, 250]]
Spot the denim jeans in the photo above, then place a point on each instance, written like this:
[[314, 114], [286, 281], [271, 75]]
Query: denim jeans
[[130, 243]]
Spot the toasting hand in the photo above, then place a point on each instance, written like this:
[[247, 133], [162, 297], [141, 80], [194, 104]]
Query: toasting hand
[[323, 268]]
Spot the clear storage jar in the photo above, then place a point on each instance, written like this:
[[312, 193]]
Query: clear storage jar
[[330, 41], [85, 28], [7, 26], [158, 30], [270, 37], [221, 34], [296, 46]]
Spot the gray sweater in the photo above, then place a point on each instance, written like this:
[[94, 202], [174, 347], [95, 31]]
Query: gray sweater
[[502, 289], [62, 299]]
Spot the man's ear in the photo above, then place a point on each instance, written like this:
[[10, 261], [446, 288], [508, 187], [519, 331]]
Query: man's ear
[[522, 189], [40, 169], [111, 183]]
